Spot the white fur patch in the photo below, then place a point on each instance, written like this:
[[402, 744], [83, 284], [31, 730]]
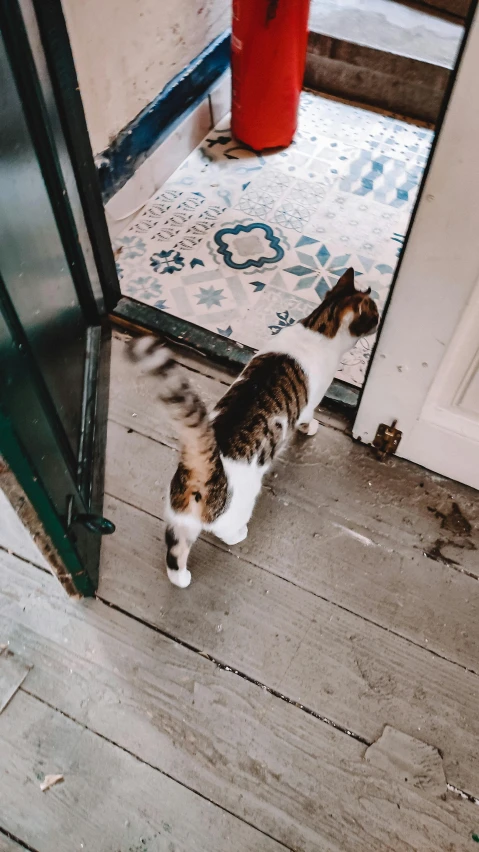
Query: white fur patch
[[317, 355], [189, 523], [154, 360], [182, 578], [244, 484]]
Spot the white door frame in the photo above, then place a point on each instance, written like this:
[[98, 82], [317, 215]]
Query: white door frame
[[435, 281]]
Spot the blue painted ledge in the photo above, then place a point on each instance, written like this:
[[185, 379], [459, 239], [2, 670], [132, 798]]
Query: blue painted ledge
[[135, 142]]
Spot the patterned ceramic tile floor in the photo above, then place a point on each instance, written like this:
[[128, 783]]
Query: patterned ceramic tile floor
[[245, 243]]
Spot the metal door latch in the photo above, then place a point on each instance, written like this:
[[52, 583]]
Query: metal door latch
[[387, 440], [93, 523]]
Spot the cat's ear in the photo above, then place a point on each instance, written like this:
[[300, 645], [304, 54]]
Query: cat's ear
[[345, 285]]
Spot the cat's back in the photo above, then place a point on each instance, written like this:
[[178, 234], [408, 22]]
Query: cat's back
[[267, 398]]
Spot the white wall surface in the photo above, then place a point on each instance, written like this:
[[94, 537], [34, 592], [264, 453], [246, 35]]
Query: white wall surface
[[126, 51], [15, 537]]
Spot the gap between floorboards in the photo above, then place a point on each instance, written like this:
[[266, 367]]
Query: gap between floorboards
[[224, 549], [16, 840], [224, 667], [150, 766]]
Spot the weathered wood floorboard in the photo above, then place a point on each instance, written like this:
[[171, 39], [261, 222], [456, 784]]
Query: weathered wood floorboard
[[357, 674], [375, 520], [329, 603], [7, 845], [376, 570], [108, 801], [269, 762]]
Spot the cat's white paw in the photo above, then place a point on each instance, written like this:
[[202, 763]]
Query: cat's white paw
[[236, 537], [309, 428], [181, 578]]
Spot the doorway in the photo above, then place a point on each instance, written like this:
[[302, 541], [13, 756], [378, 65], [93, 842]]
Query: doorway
[[342, 194], [429, 389], [245, 243]]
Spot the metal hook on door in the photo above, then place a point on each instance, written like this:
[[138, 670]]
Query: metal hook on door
[[96, 524]]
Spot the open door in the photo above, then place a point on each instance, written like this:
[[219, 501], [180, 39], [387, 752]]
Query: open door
[[57, 281], [425, 370]]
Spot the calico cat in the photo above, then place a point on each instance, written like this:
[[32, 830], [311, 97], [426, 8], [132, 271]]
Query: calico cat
[[225, 454]]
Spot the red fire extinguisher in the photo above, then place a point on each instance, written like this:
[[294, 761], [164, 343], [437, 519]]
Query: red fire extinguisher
[[267, 58]]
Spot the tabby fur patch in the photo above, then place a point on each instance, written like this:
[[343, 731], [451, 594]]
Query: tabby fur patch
[[199, 484], [250, 415]]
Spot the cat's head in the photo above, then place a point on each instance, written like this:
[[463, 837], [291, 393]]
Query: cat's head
[[345, 308]]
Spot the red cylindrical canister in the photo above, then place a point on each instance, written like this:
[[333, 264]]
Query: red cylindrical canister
[[267, 58]]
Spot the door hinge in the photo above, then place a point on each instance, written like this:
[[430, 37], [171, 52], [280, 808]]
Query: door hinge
[[387, 440]]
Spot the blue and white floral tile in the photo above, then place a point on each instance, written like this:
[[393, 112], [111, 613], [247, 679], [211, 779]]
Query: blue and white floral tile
[[385, 179], [277, 310], [398, 139], [173, 223], [243, 242], [364, 225], [240, 244], [195, 295], [315, 266], [326, 160], [336, 120], [283, 199], [220, 166]]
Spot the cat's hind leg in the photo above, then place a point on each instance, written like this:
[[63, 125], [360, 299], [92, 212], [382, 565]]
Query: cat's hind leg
[[179, 540], [309, 428], [231, 537], [244, 481], [229, 528]]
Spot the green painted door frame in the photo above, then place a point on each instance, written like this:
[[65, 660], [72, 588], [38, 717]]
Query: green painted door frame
[[57, 284]]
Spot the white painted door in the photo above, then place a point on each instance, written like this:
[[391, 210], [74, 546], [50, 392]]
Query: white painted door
[[425, 372]]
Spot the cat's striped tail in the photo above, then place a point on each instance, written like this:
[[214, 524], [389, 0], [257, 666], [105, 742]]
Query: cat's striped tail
[[186, 408], [199, 488]]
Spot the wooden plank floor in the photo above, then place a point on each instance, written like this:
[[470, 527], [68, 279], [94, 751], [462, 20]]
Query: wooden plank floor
[[315, 689]]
